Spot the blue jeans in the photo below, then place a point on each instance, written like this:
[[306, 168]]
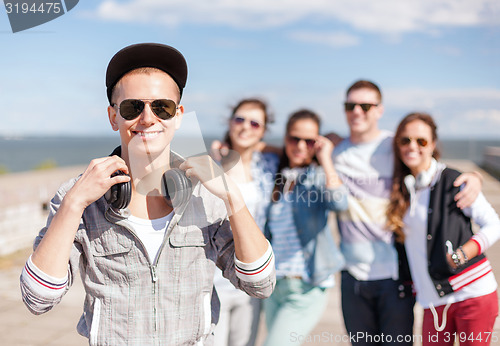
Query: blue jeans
[[292, 311], [374, 311]]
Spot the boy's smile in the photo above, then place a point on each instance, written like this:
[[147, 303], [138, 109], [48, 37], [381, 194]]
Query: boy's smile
[[147, 132]]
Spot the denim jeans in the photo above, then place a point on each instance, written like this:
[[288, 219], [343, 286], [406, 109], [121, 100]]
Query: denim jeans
[[292, 311], [374, 311]]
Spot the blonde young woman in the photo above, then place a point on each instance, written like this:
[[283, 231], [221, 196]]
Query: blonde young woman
[[451, 275]]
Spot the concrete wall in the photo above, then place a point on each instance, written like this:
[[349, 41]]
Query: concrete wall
[[23, 201]]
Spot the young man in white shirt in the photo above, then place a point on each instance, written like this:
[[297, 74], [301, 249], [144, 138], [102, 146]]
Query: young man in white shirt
[[140, 291]]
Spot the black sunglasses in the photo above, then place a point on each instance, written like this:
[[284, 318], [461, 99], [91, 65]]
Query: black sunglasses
[[296, 140], [422, 142], [163, 108], [349, 106], [240, 120]]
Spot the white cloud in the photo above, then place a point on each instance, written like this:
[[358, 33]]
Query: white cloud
[[388, 16], [484, 115], [429, 98], [458, 112], [333, 39]]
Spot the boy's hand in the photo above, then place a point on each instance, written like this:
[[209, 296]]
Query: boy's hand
[[214, 179], [473, 185], [218, 150], [204, 169], [96, 180]]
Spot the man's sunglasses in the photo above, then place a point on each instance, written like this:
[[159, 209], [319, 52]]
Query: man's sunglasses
[[240, 120], [163, 108], [296, 140], [349, 106], [404, 141]]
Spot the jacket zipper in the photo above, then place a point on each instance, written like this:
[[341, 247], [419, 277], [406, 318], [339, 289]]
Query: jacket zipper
[[152, 267], [154, 275], [154, 278]]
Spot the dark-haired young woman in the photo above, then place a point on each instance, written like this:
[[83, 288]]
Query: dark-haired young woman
[[306, 189]]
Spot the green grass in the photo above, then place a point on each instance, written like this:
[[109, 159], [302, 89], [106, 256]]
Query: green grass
[[47, 164]]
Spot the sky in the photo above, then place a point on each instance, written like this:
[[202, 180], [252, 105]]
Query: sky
[[436, 56]]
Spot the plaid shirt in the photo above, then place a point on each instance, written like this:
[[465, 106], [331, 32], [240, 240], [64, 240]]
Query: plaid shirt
[[131, 301]]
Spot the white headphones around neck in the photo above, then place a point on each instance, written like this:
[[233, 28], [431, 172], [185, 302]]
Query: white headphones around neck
[[423, 179]]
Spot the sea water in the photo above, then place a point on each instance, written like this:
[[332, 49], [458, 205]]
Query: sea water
[[28, 153]]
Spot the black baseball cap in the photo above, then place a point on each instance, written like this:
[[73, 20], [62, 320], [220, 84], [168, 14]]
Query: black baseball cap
[[160, 56]]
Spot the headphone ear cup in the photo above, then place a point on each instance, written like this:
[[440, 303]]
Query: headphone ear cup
[[123, 195], [410, 182], [177, 188], [119, 195], [424, 179]]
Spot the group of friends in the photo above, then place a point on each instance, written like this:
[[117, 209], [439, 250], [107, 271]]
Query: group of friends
[[255, 233]]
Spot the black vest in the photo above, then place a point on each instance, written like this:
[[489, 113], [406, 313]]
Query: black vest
[[446, 222]]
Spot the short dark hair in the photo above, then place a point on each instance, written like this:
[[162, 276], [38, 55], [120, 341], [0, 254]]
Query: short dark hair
[[364, 84]]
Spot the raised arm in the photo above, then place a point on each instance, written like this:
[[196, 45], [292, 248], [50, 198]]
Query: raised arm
[[336, 192], [249, 241], [324, 148], [52, 254], [253, 255]]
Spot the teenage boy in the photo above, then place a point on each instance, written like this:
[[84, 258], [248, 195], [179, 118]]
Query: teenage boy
[[147, 268], [377, 302]]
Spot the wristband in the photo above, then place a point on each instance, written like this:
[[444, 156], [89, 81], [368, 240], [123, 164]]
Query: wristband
[[466, 259], [456, 260]]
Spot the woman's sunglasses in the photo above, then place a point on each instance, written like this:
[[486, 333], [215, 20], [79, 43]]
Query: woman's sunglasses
[[349, 106], [163, 108], [296, 140], [240, 120], [404, 141]]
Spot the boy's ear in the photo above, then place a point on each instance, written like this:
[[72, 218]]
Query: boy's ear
[[178, 117], [112, 117], [380, 111]]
